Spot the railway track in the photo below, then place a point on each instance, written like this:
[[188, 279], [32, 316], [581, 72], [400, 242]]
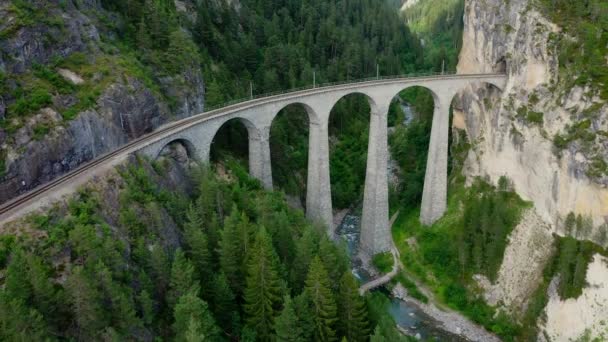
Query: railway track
[[175, 127]]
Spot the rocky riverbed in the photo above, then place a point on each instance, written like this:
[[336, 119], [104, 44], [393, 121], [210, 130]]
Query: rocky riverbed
[[448, 321]]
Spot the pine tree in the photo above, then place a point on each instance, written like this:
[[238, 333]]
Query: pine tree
[[570, 224], [579, 276], [182, 54], [353, 323], [377, 336], [146, 307], [193, 320], [263, 290], [223, 303], [160, 268], [318, 288], [43, 292], [83, 298], [231, 255], [306, 247], [20, 323], [286, 325], [198, 246], [303, 307], [335, 262], [183, 279], [17, 285]]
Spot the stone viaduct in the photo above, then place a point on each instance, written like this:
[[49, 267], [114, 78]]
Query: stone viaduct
[[257, 116], [197, 134]]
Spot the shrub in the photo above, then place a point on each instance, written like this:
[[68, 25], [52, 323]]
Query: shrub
[[535, 117], [37, 99], [383, 262], [40, 130]]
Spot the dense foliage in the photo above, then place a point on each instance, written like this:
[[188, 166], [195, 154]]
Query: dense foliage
[[409, 146], [439, 24], [278, 44], [583, 49], [228, 262]]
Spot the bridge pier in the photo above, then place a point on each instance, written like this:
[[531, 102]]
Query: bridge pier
[[318, 189], [434, 195], [375, 231], [259, 156]]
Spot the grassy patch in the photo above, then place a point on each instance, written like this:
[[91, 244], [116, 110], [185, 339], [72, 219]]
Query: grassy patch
[[35, 99], [28, 14], [41, 130], [383, 262]]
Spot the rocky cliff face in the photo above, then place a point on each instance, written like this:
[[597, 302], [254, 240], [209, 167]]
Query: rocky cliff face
[[125, 102], [513, 134]]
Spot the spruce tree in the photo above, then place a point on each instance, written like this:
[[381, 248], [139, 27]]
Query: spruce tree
[[183, 278], [377, 336], [306, 247], [304, 308], [83, 298], [160, 268], [223, 303], [16, 284], [318, 287], [198, 245], [20, 323], [263, 291], [335, 262], [231, 255], [286, 325], [193, 320], [353, 323]]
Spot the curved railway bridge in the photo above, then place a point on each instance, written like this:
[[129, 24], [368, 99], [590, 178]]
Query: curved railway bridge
[[197, 133]]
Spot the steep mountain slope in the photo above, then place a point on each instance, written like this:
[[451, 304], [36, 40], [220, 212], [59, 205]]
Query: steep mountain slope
[[439, 25], [546, 132], [71, 88]]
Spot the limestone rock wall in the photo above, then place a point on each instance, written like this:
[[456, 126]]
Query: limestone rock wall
[[571, 319], [512, 36]]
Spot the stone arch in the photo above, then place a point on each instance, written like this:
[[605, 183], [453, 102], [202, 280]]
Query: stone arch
[[347, 176], [438, 100], [501, 66], [484, 87], [313, 117], [293, 124], [250, 128], [373, 105], [433, 92], [186, 143]]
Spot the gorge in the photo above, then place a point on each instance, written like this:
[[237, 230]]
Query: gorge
[[151, 245]]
